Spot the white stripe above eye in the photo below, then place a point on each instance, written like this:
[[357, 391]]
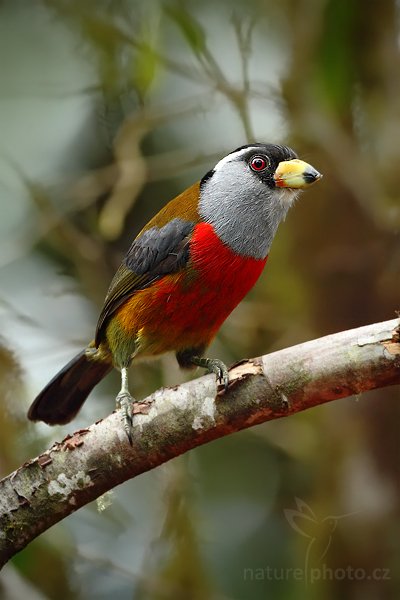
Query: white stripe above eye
[[234, 156]]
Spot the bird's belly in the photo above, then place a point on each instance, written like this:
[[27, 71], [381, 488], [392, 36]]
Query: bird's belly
[[186, 309]]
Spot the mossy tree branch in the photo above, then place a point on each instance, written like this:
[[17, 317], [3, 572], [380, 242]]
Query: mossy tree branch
[[85, 465]]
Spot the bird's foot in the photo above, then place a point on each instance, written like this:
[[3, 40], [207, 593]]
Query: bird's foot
[[216, 366], [124, 402]]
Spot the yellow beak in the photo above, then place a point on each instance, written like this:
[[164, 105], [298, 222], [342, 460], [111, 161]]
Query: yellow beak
[[295, 174]]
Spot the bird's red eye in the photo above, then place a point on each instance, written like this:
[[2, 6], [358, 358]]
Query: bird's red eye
[[258, 163]]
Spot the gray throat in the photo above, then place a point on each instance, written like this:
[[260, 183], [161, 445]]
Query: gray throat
[[244, 212]]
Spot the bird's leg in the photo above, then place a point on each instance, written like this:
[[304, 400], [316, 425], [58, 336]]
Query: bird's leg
[[124, 402], [213, 365]]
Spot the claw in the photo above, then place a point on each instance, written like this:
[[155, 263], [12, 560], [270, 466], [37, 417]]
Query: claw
[[216, 366], [225, 377], [124, 403], [221, 370]]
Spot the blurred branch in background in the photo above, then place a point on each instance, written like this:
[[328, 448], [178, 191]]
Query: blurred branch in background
[[92, 461]]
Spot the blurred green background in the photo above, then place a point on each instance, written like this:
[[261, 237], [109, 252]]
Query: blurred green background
[[108, 109]]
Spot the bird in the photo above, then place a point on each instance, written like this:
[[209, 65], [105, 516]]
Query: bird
[[183, 274]]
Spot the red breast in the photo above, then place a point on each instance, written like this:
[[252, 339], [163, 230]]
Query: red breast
[[189, 307]]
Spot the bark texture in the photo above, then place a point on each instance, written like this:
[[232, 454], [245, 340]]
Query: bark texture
[[83, 466]]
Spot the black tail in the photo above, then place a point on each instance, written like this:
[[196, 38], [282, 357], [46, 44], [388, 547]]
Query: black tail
[[62, 398]]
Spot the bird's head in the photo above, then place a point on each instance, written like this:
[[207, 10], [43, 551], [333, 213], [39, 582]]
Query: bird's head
[[248, 193]]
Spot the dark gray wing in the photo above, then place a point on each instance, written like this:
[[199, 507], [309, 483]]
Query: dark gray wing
[[158, 251]]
